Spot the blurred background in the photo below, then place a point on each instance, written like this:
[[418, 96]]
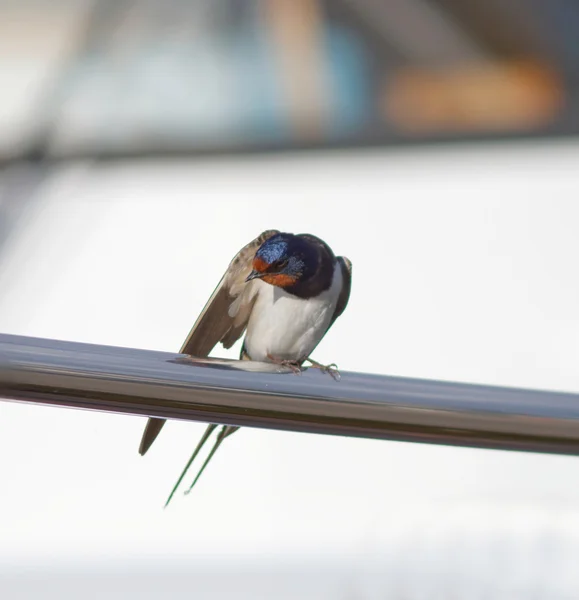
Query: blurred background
[[433, 142]]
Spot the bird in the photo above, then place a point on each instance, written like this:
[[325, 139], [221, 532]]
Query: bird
[[284, 291]]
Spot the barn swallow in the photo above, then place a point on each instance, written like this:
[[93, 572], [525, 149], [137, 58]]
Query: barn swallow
[[285, 291]]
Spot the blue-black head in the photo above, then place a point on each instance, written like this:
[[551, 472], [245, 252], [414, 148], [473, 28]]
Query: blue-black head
[[284, 260]]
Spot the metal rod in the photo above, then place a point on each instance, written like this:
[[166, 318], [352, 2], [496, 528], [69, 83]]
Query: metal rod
[[175, 386]]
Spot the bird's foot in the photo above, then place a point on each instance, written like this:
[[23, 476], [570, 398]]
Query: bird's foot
[[294, 365], [331, 369]]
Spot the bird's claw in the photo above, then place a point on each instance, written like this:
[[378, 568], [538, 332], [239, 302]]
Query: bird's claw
[[291, 364], [331, 369]]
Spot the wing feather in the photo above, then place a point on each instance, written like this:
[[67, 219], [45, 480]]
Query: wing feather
[[223, 319], [346, 266], [225, 316]]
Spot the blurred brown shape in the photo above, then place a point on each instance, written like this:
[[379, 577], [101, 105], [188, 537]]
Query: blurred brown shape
[[516, 95], [296, 29]]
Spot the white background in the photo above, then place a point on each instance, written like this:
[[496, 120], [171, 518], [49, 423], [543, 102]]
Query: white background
[[465, 268]]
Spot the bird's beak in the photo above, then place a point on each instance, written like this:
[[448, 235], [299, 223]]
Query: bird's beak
[[254, 275]]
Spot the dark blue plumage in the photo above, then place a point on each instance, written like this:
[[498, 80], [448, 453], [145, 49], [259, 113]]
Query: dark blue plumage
[[275, 248], [306, 262]]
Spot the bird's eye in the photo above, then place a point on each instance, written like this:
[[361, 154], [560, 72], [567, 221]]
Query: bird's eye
[[282, 264]]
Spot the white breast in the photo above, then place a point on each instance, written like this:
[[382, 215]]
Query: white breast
[[288, 327]]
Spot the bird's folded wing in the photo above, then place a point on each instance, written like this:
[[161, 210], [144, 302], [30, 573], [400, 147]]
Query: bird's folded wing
[[344, 296], [223, 319], [227, 311]]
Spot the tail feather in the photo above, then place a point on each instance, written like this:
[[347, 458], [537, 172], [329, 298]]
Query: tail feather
[[150, 434]]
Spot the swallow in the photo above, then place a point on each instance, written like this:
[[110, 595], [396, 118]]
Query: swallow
[[284, 291]]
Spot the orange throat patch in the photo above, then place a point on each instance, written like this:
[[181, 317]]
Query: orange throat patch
[[279, 280]]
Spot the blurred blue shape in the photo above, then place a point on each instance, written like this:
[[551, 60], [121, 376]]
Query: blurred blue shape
[[350, 75]]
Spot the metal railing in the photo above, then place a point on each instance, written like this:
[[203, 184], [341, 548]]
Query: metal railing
[[176, 386]]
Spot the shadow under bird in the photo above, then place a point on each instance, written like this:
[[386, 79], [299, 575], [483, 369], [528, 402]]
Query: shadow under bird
[[285, 291]]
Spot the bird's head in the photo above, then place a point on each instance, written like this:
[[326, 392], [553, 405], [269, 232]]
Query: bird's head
[[282, 260]]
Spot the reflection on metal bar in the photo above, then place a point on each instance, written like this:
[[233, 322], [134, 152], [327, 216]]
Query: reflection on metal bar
[[175, 386]]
